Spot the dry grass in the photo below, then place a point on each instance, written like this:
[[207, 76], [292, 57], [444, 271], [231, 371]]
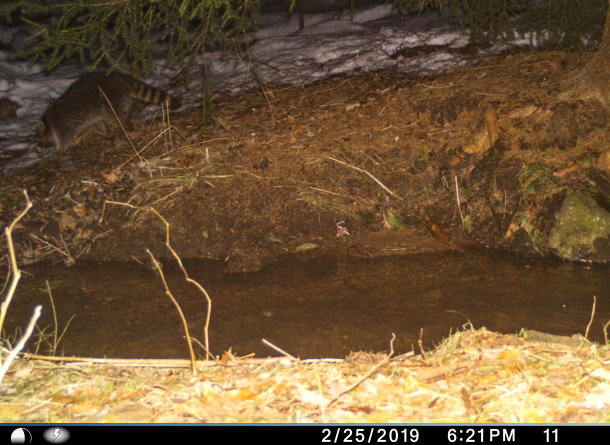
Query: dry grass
[[474, 376]]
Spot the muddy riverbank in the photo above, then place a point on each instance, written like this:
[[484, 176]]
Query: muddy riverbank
[[375, 164]]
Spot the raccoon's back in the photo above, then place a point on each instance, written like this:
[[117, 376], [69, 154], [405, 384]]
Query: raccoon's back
[[95, 100], [84, 101]]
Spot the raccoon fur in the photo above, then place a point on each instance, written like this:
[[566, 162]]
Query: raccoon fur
[[94, 102]]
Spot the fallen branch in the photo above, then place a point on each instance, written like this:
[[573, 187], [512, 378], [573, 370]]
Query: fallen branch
[[281, 351], [378, 366], [165, 363], [367, 173]]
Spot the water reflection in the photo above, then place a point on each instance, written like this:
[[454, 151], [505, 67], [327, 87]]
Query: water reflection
[[312, 307]]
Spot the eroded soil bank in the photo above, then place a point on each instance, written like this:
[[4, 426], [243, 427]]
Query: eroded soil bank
[[375, 164]]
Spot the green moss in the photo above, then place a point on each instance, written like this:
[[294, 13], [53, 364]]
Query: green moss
[[581, 224], [535, 177], [394, 220]]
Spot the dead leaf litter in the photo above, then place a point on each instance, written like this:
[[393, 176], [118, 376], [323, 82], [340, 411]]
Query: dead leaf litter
[[473, 376]]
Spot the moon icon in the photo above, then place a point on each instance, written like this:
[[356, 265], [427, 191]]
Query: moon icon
[[21, 435]]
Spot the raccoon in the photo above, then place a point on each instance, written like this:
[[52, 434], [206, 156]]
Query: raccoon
[[94, 102]]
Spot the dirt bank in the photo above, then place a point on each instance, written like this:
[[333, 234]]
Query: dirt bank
[[373, 164]]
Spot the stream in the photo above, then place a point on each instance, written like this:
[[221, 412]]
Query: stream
[[309, 307]]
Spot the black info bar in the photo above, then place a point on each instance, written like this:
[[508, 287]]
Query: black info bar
[[304, 433]]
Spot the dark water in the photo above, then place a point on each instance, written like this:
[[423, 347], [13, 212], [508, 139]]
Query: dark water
[[311, 308]]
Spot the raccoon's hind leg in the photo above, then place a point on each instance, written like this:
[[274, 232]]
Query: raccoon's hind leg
[[103, 128], [64, 139]]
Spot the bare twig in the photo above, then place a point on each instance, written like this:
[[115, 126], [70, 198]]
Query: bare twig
[[280, 350], [55, 324], [367, 173], [167, 123], [139, 152], [16, 349], [152, 141], [51, 246], [420, 342], [190, 280], [187, 278], [178, 308], [457, 198], [7, 278], [592, 316], [16, 275], [261, 82], [56, 338], [379, 365], [193, 339], [120, 123], [162, 363]]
